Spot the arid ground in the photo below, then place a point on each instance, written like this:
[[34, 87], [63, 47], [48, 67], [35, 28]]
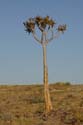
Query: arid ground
[[24, 105]]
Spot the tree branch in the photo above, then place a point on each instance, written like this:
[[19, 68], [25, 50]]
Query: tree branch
[[56, 35], [36, 38], [43, 38]]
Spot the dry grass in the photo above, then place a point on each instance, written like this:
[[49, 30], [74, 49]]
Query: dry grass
[[24, 105]]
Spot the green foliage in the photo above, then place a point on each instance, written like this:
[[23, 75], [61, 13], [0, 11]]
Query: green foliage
[[67, 83], [63, 83]]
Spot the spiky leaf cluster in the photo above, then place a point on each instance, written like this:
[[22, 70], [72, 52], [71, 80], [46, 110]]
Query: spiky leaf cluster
[[62, 28], [40, 22], [29, 25]]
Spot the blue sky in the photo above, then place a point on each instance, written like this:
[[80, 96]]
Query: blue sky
[[21, 56]]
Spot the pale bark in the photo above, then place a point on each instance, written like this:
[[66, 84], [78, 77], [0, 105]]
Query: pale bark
[[44, 41], [48, 104], [36, 38], [53, 36]]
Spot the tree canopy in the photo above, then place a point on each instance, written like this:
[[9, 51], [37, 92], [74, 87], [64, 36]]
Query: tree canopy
[[43, 23]]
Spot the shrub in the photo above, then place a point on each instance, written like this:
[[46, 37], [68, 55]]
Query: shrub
[[38, 99], [67, 83], [63, 83]]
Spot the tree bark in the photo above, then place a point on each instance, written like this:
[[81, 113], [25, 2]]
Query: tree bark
[[48, 104]]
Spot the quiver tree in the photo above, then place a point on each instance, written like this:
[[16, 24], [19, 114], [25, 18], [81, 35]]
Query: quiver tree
[[45, 25]]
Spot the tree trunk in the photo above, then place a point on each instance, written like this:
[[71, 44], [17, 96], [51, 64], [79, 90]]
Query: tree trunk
[[48, 104]]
